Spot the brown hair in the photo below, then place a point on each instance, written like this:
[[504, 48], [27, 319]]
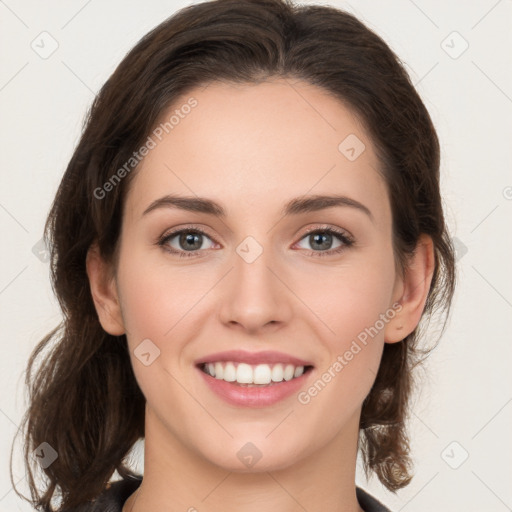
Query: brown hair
[[84, 400]]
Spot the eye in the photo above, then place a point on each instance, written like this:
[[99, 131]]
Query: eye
[[188, 242], [322, 239]]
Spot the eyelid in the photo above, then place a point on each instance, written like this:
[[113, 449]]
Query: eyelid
[[188, 227], [201, 229], [328, 227]]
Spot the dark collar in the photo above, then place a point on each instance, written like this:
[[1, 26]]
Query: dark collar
[[113, 497]]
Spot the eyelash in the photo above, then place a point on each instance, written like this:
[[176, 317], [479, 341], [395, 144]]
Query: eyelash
[[343, 237]]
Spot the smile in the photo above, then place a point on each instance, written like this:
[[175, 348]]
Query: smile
[[253, 375], [248, 393]]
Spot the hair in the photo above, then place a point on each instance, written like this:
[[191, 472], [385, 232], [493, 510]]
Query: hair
[[84, 400]]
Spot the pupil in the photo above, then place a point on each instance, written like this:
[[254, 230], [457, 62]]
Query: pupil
[[188, 239], [318, 236]]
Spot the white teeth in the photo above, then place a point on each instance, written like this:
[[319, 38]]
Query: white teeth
[[277, 373], [244, 374], [219, 371], [229, 372], [298, 371], [261, 374], [288, 372]]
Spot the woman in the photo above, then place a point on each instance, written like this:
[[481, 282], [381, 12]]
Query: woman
[[243, 245]]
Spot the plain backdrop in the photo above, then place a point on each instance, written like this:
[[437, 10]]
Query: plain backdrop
[[458, 56]]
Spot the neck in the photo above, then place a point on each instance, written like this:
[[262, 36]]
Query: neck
[[178, 479]]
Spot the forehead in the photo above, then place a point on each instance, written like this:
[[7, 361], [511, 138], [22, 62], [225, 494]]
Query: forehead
[[258, 145]]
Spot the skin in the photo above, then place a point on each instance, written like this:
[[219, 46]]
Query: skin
[[252, 148]]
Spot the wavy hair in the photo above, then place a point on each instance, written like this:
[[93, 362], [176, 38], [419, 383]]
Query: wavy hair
[[84, 400]]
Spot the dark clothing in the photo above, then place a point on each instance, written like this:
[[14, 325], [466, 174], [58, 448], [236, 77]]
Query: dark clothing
[[113, 497]]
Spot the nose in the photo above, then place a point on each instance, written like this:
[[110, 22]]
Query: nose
[[255, 295]]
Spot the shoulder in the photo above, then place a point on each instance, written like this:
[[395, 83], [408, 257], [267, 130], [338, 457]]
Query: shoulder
[[112, 498], [369, 503]]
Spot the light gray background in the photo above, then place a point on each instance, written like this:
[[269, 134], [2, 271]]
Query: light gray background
[[466, 389]]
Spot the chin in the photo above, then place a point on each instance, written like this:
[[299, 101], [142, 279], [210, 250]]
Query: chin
[[253, 454]]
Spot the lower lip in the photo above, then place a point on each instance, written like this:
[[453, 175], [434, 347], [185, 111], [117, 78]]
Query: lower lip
[[257, 396]]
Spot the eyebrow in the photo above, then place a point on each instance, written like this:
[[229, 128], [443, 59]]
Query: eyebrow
[[295, 206]]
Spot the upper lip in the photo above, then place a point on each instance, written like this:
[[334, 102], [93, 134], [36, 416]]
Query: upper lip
[[242, 356]]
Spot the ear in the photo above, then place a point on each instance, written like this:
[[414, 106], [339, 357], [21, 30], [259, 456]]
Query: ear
[[104, 292], [411, 291]]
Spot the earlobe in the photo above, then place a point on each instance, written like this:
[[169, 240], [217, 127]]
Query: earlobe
[[104, 292], [413, 291]]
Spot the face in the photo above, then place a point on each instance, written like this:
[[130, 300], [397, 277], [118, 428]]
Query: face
[[272, 280]]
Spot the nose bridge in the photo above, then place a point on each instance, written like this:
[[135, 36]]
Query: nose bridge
[[255, 296]]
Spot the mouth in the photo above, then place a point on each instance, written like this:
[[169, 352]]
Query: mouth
[[256, 385], [254, 380], [254, 375]]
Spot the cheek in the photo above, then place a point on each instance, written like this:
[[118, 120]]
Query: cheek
[[157, 303], [348, 297], [155, 297], [353, 306]]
